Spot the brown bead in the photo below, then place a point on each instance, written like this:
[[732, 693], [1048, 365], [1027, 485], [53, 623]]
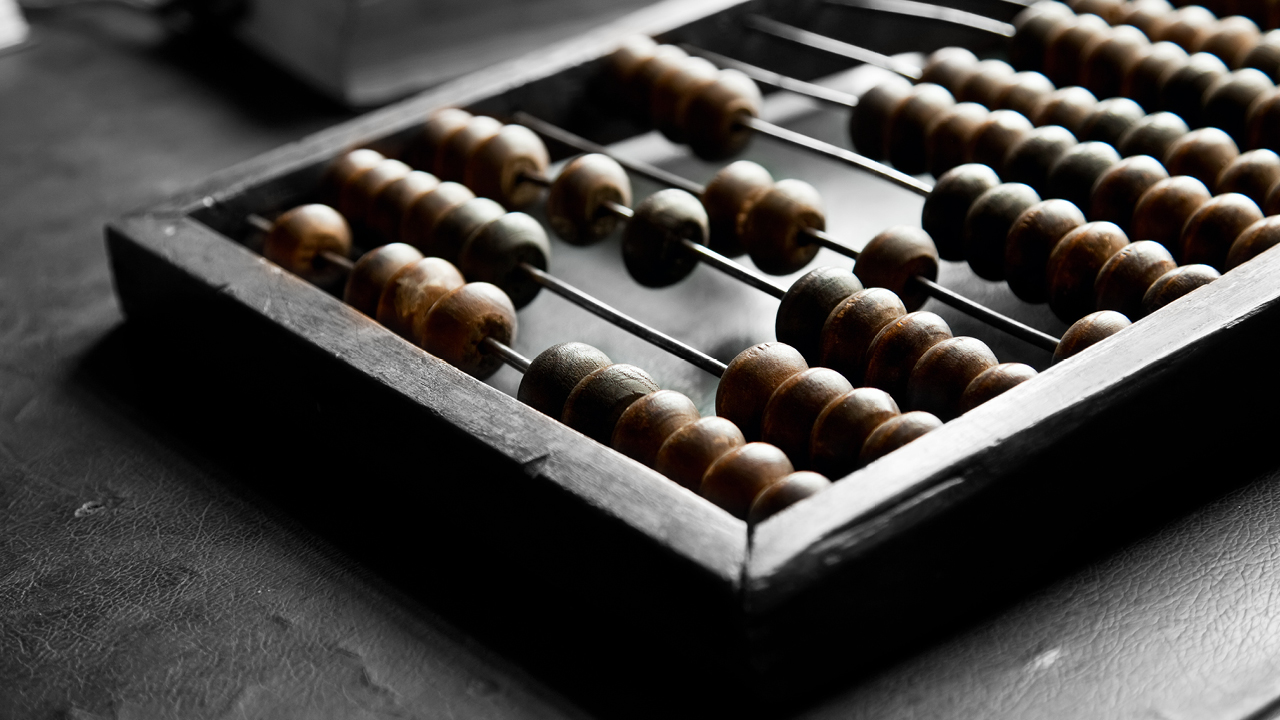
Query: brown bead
[[1023, 91], [804, 309], [689, 451], [651, 241], [1265, 55], [1116, 192], [1088, 331], [1110, 119], [713, 120], [1203, 154], [948, 137], [996, 136], [1068, 107], [372, 272], [1184, 25], [436, 131], [987, 225], [459, 225], [458, 323], [1074, 264], [501, 166], [663, 59], [1032, 30], [555, 372], [1262, 122], [345, 169], [597, 402], [1212, 229], [750, 380], [498, 251], [1109, 10], [869, 122], [985, 83], [453, 157], [1227, 101], [1142, 81], [794, 407], [1231, 39], [1164, 209], [1027, 246], [1125, 277], [419, 226], [773, 229], [898, 346], [844, 425], [852, 325], [1072, 177], [356, 198], [949, 67], [941, 375], [299, 236], [736, 478], [392, 204], [1251, 174], [630, 55], [647, 423], [908, 122], [576, 203], [670, 94], [784, 493], [1271, 206], [1031, 159], [1182, 91], [948, 203], [1066, 48], [1176, 283], [410, 292], [1105, 62], [894, 258], [897, 432], [1144, 14], [1255, 240], [725, 199], [993, 382]]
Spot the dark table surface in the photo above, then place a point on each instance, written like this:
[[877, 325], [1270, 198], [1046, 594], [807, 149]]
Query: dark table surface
[[142, 574]]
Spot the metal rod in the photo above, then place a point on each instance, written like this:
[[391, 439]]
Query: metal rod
[[929, 11], [336, 259], [773, 79], [733, 269], [989, 316], [831, 45], [509, 356], [259, 222], [822, 238], [635, 327]]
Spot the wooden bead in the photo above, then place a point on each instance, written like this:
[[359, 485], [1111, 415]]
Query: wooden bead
[[985, 83], [1251, 174], [1231, 39], [1176, 283], [1068, 107], [948, 67], [784, 493], [500, 167], [419, 226], [671, 92], [345, 169], [735, 479], [458, 226], [555, 372], [844, 425], [1088, 331], [1182, 90], [1000, 132], [1142, 81], [630, 55], [436, 131], [647, 423], [689, 451], [773, 229], [371, 273], [1212, 229], [1105, 62], [1110, 119], [1066, 48], [1227, 101], [1125, 277], [356, 198], [750, 380], [663, 59], [411, 291], [897, 432], [651, 242], [1032, 30], [794, 407], [1030, 160], [852, 325], [454, 155], [597, 402], [1023, 91], [1164, 209], [1144, 14], [941, 375], [947, 205], [1072, 177], [869, 123], [1255, 240], [1265, 55], [392, 204], [1262, 122], [806, 305], [460, 321], [894, 258], [1203, 154], [725, 199], [1074, 264], [898, 346], [1108, 10], [1184, 25], [987, 226], [1116, 192], [497, 252], [948, 137], [576, 203], [994, 382], [299, 236], [1029, 242], [713, 120], [908, 123], [1271, 206]]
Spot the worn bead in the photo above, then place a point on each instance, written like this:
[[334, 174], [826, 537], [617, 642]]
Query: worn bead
[[372, 272], [1023, 91], [392, 204], [1032, 237], [725, 199], [1030, 160], [994, 382], [1105, 61], [713, 119], [985, 83], [1116, 192], [1068, 107], [1032, 30], [1176, 283], [501, 166], [356, 198], [1126, 275], [345, 169], [1262, 122], [599, 399], [498, 251], [1088, 331], [908, 122], [647, 423], [663, 59], [794, 407], [652, 247], [460, 321], [1231, 39], [941, 375], [454, 155], [1212, 229], [773, 229], [555, 372], [690, 450], [420, 223], [1110, 119], [844, 425], [1251, 174], [1265, 55], [750, 380], [1142, 81], [1227, 101], [1184, 25], [439, 127], [1063, 54], [410, 292], [630, 55], [1144, 14], [995, 136], [894, 258], [1073, 176], [987, 226], [948, 67], [869, 123], [671, 92], [458, 226], [852, 325], [948, 137], [1255, 240], [804, 309], [897, 432], [1164, 209], [736, 478], [784, 493], [1182, 90], [1074, 264], [947, 205], [576, 204], [1108, 10], [898, 346], [1152, 135], [299, 236]]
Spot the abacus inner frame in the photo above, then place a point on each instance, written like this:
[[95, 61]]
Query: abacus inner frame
[[888, 553]]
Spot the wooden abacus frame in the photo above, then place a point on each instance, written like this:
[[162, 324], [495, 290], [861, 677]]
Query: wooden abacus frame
[[891, 553]]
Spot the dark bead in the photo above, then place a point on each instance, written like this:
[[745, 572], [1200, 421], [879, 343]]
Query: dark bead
[[804, 309], [652, 246], [1030, 241], [947, 205], [555, 372], [1072, 177], [988, 223], [1031, 159]]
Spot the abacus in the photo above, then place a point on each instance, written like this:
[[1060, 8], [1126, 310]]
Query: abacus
[[943, 436]]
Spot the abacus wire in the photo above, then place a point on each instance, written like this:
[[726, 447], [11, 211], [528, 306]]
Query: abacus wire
[[928, 11], [831, 45], [508, 355], [778, 80], [1019, 330], [265, 225]]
